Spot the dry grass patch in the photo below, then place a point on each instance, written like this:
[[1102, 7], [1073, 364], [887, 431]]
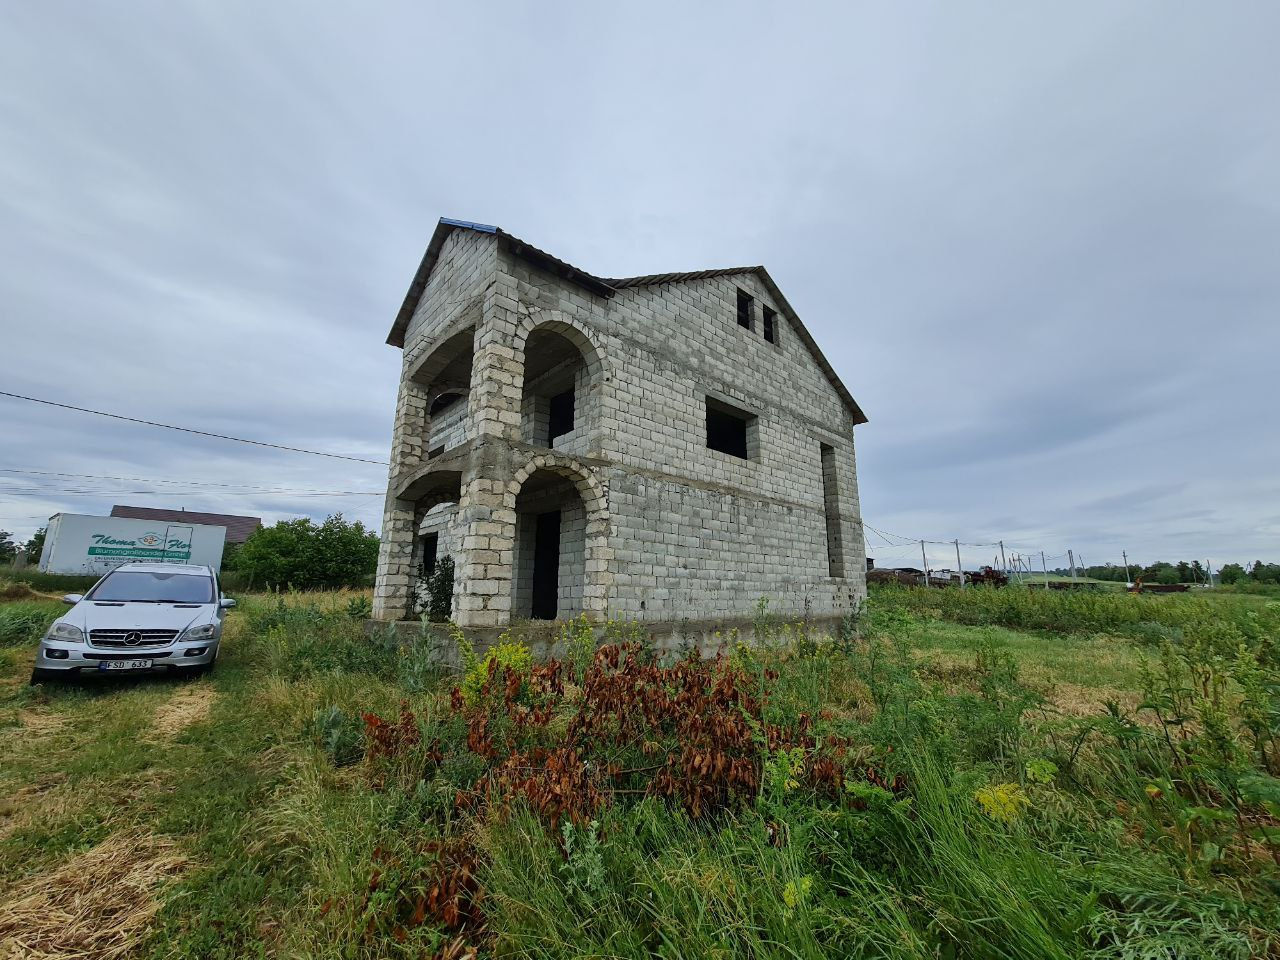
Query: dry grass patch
[[191, 704], [22, 591], [41, 723], [96, 905], [45, 799], [1084, 701]]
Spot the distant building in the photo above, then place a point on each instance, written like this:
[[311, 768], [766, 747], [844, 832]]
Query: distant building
[[238, 528]]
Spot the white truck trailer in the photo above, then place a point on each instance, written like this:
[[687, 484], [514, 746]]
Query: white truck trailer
[[80, 544]]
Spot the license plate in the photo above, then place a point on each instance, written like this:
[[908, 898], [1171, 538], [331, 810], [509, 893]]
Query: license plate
[[125, 664]]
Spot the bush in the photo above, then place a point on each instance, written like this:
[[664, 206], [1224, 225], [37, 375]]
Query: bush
[[440, 591], [301, 554]]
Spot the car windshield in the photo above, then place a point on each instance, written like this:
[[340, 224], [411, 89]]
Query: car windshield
[[137, 586]]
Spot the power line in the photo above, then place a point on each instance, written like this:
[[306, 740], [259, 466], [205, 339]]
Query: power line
[[250, 487], [72, 492], [202, 433]]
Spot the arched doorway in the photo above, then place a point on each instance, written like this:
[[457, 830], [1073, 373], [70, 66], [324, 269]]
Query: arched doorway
[[561, 553], [561, 386], [433, 495]]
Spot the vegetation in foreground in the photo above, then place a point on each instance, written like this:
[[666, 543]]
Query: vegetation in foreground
[[986, 774]]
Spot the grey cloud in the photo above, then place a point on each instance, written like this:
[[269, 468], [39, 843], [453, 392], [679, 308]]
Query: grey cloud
[[1038, 244]]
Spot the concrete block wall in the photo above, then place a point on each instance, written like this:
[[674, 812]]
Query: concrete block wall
[[449, 427], [670, 530], [697, 532], [454, 293]]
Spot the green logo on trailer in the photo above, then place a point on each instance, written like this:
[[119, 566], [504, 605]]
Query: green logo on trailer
[[149, 546]]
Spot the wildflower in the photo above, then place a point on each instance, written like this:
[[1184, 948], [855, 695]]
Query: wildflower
[[796, 893], [1004, 802]]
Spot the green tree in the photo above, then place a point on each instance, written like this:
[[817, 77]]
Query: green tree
[[1184, 572], [300, 553], [7, 547], [1231, 573], [35, 546]]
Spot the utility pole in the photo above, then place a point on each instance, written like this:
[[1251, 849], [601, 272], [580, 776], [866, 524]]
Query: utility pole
[[1044, 570], [1127, 579], [1208, 572], [925, 561], [959, 565], [1071, 559]]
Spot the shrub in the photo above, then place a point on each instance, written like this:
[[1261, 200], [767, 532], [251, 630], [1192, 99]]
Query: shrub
[[506, 654], [304, 555], [439, 589], [337, 734]]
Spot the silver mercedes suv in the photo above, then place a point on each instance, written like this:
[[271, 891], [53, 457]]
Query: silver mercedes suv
[[140, 617]]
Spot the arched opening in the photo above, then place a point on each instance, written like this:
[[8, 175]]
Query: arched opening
[[444, 377], [550, 569], [560, 387], [437, 530]]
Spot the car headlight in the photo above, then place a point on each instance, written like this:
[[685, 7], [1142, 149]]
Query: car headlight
[[65, 631], [202, 632]]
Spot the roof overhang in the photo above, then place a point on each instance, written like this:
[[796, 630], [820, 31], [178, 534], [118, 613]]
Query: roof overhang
[[512, 245], [601, 287]]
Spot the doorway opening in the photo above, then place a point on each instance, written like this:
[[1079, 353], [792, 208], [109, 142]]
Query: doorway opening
[[550, 554]]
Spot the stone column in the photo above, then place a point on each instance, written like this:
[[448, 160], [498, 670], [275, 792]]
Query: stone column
[[395, 560], [482, 597], [395, 552]]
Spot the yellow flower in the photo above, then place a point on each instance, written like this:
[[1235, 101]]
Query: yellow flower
[[1004, 802], [796, 892]]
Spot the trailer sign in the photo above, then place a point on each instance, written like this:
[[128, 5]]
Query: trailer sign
[[149, 546], [78, 543]]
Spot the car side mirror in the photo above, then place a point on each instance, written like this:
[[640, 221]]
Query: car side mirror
[[226, 603], [71, 599]]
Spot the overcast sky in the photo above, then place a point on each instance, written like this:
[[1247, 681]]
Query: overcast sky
[[1040, 245]]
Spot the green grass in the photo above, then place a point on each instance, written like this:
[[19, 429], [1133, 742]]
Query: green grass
[[47, 582], [300, 845]]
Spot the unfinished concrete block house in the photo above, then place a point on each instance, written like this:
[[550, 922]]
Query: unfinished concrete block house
[[667, 449]]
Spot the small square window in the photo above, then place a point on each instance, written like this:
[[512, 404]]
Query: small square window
[[730, 430], [745, 301], [770, 325]]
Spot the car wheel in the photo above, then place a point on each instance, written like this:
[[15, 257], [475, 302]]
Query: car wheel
[[44, 676]]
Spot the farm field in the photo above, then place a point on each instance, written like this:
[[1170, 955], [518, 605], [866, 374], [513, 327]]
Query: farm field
[[959, 774]]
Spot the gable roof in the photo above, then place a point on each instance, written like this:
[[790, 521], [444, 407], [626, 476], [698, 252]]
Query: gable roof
[[238, 528], [602, 287]]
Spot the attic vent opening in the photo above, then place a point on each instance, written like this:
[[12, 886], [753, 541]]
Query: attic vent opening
[[770, 324], [730, 430], [745, 301]]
